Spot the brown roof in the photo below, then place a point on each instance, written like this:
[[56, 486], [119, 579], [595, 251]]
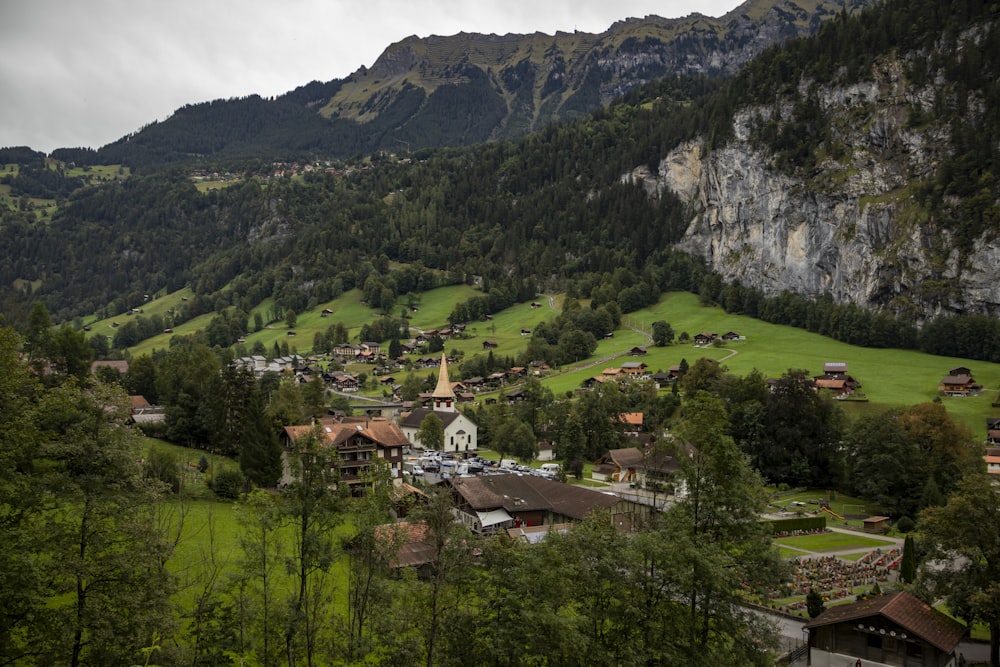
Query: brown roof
[[411, 541], [520, 493], [380, 431], [905, 610], [138, 402], [629, 457], [956, 379]]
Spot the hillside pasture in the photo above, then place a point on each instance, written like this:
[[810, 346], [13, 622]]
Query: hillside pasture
[[889, 378]]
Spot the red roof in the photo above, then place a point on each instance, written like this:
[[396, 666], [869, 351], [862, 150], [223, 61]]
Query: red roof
[[905, 610]]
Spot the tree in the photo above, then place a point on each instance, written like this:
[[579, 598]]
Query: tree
[[430, 435], [719, 541], [290, 318], [259, 617], [111, 585], [663, 333], [38, 337], [312, 510], [908, 566], [516, 437], [24, 579], [260, 451], [963, 541], [814, 603]]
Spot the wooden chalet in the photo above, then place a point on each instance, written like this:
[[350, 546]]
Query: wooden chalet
[[899, 630], [959, 384]]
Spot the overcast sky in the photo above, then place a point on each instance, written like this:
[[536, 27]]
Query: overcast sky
[[87, 72]]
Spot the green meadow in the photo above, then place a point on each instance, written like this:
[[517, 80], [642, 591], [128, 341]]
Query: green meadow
[[889, 377]]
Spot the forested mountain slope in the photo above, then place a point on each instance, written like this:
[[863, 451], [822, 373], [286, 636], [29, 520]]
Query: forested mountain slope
[[470, 88], [849, 174]]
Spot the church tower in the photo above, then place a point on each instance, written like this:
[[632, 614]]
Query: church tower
[[444, 396]]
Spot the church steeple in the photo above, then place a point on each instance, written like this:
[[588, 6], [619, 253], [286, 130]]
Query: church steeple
[[444, 396]]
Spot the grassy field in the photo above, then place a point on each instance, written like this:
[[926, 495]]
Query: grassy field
[[822, 543], [889, 377]]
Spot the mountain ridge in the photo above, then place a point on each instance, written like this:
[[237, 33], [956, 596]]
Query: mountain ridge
[[469, 88]]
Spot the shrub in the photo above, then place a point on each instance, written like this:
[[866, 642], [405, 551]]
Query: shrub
[[905, 524], [228, 483]]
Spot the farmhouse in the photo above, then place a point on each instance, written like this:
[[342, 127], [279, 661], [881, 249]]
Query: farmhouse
[[959, 382], [897, 629]]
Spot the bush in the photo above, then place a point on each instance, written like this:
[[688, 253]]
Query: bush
[[905, 524], [228, 483]]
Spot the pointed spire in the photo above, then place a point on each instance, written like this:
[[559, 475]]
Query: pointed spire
[[444, 396]]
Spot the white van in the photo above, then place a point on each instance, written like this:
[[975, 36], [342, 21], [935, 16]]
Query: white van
[[508, 464], [550, 469]]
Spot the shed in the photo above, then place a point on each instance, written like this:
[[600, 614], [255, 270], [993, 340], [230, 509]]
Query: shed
[[876, 524]]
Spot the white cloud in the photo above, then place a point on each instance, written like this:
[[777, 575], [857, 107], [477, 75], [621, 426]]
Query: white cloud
[[86, 73]]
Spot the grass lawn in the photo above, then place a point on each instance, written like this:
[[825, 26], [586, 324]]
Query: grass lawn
[[830, 542]]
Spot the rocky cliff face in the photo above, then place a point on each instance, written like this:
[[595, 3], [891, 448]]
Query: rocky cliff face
[[852, 227]]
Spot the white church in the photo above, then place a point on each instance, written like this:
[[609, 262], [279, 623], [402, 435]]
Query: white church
[[459, 431]]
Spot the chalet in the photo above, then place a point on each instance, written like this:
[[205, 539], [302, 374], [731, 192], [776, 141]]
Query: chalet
[[636, 370], [525, 332], [490, 345], [590, 382], [358, 442], [961, 384], [516, 372], [497, 502], [343, 381], [993, 431], [898, 629], [326, 312], [538, 367], [516, 396], [408, 348], [631, 422], [612, 373], [835, 368], [992, 459], [371, 347], [837, 385], [638, 351], [730, 336], [705, 338], [662, 379], [535, 304], [619, 465], [496, 379]]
